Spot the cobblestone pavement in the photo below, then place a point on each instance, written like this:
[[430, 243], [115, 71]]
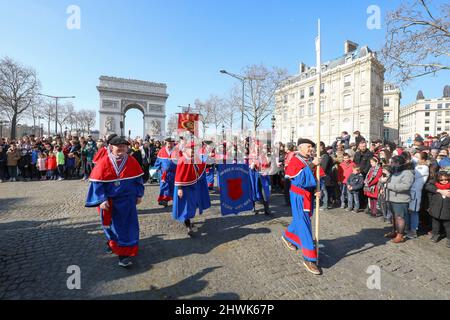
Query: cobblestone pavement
[[44, 228]]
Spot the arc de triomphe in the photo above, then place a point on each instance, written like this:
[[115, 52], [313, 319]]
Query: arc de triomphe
[[118, 95]]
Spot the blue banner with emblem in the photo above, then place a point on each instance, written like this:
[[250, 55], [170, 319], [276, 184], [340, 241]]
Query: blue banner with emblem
[[234, 183]]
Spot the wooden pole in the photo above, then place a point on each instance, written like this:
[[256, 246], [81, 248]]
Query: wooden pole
[[319, 79]]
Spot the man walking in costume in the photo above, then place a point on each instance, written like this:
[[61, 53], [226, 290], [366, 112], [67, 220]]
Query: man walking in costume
[[303, 183], [102, 152], [259, 164], [191, 189], [166, 164], [116, 188]]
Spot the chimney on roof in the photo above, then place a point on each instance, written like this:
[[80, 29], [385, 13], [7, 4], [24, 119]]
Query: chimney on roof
[[349, 46], [302, 67]]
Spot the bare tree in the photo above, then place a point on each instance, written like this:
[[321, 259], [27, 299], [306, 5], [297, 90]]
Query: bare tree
[[203, 109], [48, 113], [19, 86], [215, 105], [232, 107], [417, 41], [260, 92], [172, 125], [36, 110]]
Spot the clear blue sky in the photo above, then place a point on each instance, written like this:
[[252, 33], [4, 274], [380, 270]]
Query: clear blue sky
[[181, 43]]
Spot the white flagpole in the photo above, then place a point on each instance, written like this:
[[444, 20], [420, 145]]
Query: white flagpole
[[319, 79]]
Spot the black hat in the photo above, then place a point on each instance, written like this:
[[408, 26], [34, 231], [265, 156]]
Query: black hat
[[169, 140], [110, 137], [302, 141], [377, 141], [118, 140]]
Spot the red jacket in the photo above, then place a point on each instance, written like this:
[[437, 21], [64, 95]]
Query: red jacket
[[345, 170], [51, 163], [373, 182]]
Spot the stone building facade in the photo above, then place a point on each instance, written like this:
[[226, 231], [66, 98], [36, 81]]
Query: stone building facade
[[351, 98]]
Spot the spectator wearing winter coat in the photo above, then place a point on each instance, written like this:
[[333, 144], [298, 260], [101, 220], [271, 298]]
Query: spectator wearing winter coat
[[362, 158], [3, 160], [355, 183], [358, 138], [12, 159], [371, 185], [445, 140], [421, 173], [443, 160], [326, 164], [398, 196], [440, 205], [344, 172]]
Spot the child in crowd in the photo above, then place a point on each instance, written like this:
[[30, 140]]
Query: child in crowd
[[355, 183], [371, 185], [60, 161], [440, 205], [344, 172], [41, 165], [52, 166], [382, 201]]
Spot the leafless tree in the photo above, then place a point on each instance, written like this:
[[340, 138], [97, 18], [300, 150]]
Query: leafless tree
[[232, 107], [215, 105], [172, 125], [417, 40], [203, 109], [36, 111], [19, 86], [48, 113], [86, 120], [260, 92]]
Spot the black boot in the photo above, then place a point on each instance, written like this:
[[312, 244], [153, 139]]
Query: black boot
[[266, 208]]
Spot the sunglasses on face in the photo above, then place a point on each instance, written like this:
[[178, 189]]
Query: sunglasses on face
[[442, 180]]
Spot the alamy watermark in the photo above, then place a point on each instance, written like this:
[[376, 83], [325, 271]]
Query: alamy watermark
[[374, 280], [74, 280], [374, 19], [74, 20]]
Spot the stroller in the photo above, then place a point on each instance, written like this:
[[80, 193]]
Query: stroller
[[155, 175]]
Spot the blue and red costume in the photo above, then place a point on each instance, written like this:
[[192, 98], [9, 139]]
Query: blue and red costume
[[166, 163], [120, 185], [210, 169], [102, 152], [259, 167], [303, 185], [191, 178]]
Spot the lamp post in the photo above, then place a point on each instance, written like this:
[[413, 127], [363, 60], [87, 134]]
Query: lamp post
[[56, 107], [242, 79], [292, 134], [65, 132]]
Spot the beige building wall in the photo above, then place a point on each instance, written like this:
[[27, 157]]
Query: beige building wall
[[428, 117], [391, 118], [352, 99]]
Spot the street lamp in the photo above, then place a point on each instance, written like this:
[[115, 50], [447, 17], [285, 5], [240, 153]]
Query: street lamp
[[56, 107], [65, 132], [292, 134], [242, 79]]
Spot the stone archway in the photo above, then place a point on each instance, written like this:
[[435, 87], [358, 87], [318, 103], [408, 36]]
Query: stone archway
[[118, 95], [136, 107]]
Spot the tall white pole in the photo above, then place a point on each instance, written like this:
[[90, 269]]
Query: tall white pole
[[319, 79]]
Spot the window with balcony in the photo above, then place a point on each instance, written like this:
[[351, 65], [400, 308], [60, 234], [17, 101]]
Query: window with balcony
[[301, 111], [311, 109], [322, 106], [347, 80], [311, 91], [302, 94], [347, 101]]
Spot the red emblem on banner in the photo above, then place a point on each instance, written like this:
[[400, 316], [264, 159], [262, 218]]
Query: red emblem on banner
[[234, 187], [188, 122]]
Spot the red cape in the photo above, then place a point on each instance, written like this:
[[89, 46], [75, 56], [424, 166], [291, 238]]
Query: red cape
[[296, 166], [104, 170], [100, 154], [187, 174]]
